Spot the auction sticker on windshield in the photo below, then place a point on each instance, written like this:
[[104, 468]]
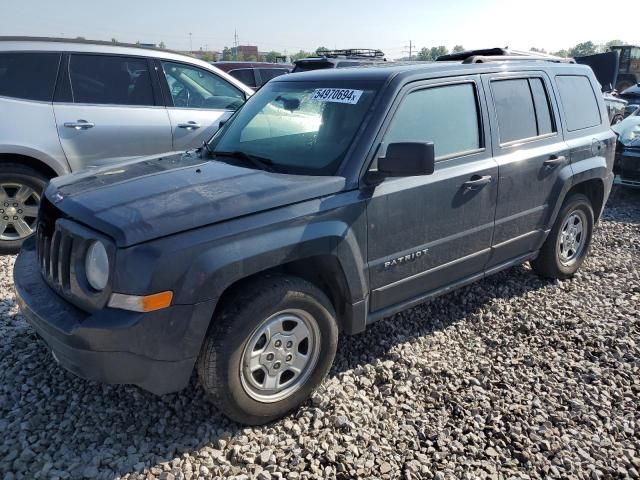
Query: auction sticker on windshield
[[336, 95]]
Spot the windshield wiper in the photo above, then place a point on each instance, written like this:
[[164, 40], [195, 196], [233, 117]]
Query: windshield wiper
[[262, 163]]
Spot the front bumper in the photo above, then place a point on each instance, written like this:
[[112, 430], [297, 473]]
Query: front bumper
[[628, 167], [156, 350]]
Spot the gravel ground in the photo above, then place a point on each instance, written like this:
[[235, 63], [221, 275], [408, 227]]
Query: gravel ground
[[513, 377]]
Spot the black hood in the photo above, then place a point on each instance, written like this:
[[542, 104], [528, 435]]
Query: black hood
[[138, 201], [605, 67]]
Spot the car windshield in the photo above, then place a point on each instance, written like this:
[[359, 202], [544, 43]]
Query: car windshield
[[296, 127]]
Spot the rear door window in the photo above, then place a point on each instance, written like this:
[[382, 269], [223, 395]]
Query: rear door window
[[30, 76], [245, 75], [447, 115], [523, 109], [110, 80], [578, 102]]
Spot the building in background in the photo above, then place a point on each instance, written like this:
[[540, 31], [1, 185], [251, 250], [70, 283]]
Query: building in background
[[245, 52]]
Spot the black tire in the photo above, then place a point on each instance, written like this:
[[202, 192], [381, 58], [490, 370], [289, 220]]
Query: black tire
[[549, 262], [220, 365], [17, 174]]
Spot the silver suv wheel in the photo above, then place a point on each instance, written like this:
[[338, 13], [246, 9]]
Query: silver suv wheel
[[571, 240], [18, 211], [280, 355]]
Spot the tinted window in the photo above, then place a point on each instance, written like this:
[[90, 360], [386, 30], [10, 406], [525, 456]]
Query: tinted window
[[193, 87], [110, 80], [31, 76], [245, 75], [543, 110], [347, 64], [267, 74], [578, 102], [446, 116], [515, 110]]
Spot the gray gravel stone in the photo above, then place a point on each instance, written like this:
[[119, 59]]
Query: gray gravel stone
[[513, 377]]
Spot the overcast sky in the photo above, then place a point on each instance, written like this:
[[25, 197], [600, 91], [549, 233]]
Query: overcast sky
[[302, 24]]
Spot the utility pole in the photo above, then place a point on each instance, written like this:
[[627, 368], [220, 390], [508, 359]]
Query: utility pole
[[235, 44], [410, 47], [190, 43]]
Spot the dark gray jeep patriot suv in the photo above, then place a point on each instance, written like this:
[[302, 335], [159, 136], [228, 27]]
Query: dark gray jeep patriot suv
[[330, 200]]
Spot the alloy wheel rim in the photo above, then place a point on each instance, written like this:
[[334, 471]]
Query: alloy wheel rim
[[572, 238], [18, 211], [280, 355]]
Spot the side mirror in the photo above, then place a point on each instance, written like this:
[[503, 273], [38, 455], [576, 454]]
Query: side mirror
[[407, 160]]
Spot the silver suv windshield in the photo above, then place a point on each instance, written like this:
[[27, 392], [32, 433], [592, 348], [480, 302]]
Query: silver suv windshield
[[295, 127]]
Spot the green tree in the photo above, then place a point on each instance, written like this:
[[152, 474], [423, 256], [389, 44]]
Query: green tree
[[114, 40], [207, 56], [251, 58], [272, 56], [423, 55], [226, 54], [537, 50], [435, 52], [561, 53], [457, 49], [162, 45], [299, 55], [582, 49], [321, 50]]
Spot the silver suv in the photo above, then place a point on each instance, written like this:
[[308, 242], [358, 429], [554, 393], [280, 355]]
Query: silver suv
[[69, 104]]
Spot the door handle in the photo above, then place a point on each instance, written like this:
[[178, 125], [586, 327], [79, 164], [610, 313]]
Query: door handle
[[80, 125], [189, 125], [554, 161], [477, 182]]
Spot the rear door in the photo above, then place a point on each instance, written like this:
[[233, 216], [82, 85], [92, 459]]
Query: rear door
[[197, 101], [246, 76], [533, 160], [427, 232], [107, 108]]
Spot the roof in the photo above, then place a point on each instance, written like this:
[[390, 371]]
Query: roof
[[383, 71]]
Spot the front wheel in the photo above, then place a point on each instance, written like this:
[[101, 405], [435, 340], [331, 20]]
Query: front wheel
[[569, 240], [20, 192], [271, 344]]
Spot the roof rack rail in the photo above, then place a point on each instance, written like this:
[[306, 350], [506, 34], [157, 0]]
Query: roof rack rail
[[501, 55], [515, 58], [352, 52]]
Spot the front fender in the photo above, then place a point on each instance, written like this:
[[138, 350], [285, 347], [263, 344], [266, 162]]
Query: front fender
[[214, 270]]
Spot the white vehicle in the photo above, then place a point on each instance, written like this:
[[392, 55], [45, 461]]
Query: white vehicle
[[71, 104]]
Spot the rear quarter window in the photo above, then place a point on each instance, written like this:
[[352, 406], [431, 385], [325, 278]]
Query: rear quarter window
[[579, 102], [30, 76]]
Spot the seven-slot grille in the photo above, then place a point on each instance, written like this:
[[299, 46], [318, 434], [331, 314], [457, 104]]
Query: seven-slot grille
[[54, 255]]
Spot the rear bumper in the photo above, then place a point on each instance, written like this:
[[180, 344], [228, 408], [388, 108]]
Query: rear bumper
[[156, 351]]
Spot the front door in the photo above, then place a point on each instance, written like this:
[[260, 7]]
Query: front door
[[532, 156], [198, 101], [431, 231], [106, 110]]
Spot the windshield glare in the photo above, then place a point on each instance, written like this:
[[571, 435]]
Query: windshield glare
[[298, 127]]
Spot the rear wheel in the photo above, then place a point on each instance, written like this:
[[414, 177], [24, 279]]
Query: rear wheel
[[268, 348], [569, 240], [20, 192]]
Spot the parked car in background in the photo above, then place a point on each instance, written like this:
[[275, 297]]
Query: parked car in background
[[254, 74], [381, 188], [615, 107], [631, 94], [627, 165], [71, 104], [631, 109], [351, 57]]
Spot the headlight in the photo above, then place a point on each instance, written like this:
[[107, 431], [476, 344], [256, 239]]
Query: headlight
[[96, 265]]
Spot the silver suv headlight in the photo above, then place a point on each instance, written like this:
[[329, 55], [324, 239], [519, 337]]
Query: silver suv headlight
[[96, 265]]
